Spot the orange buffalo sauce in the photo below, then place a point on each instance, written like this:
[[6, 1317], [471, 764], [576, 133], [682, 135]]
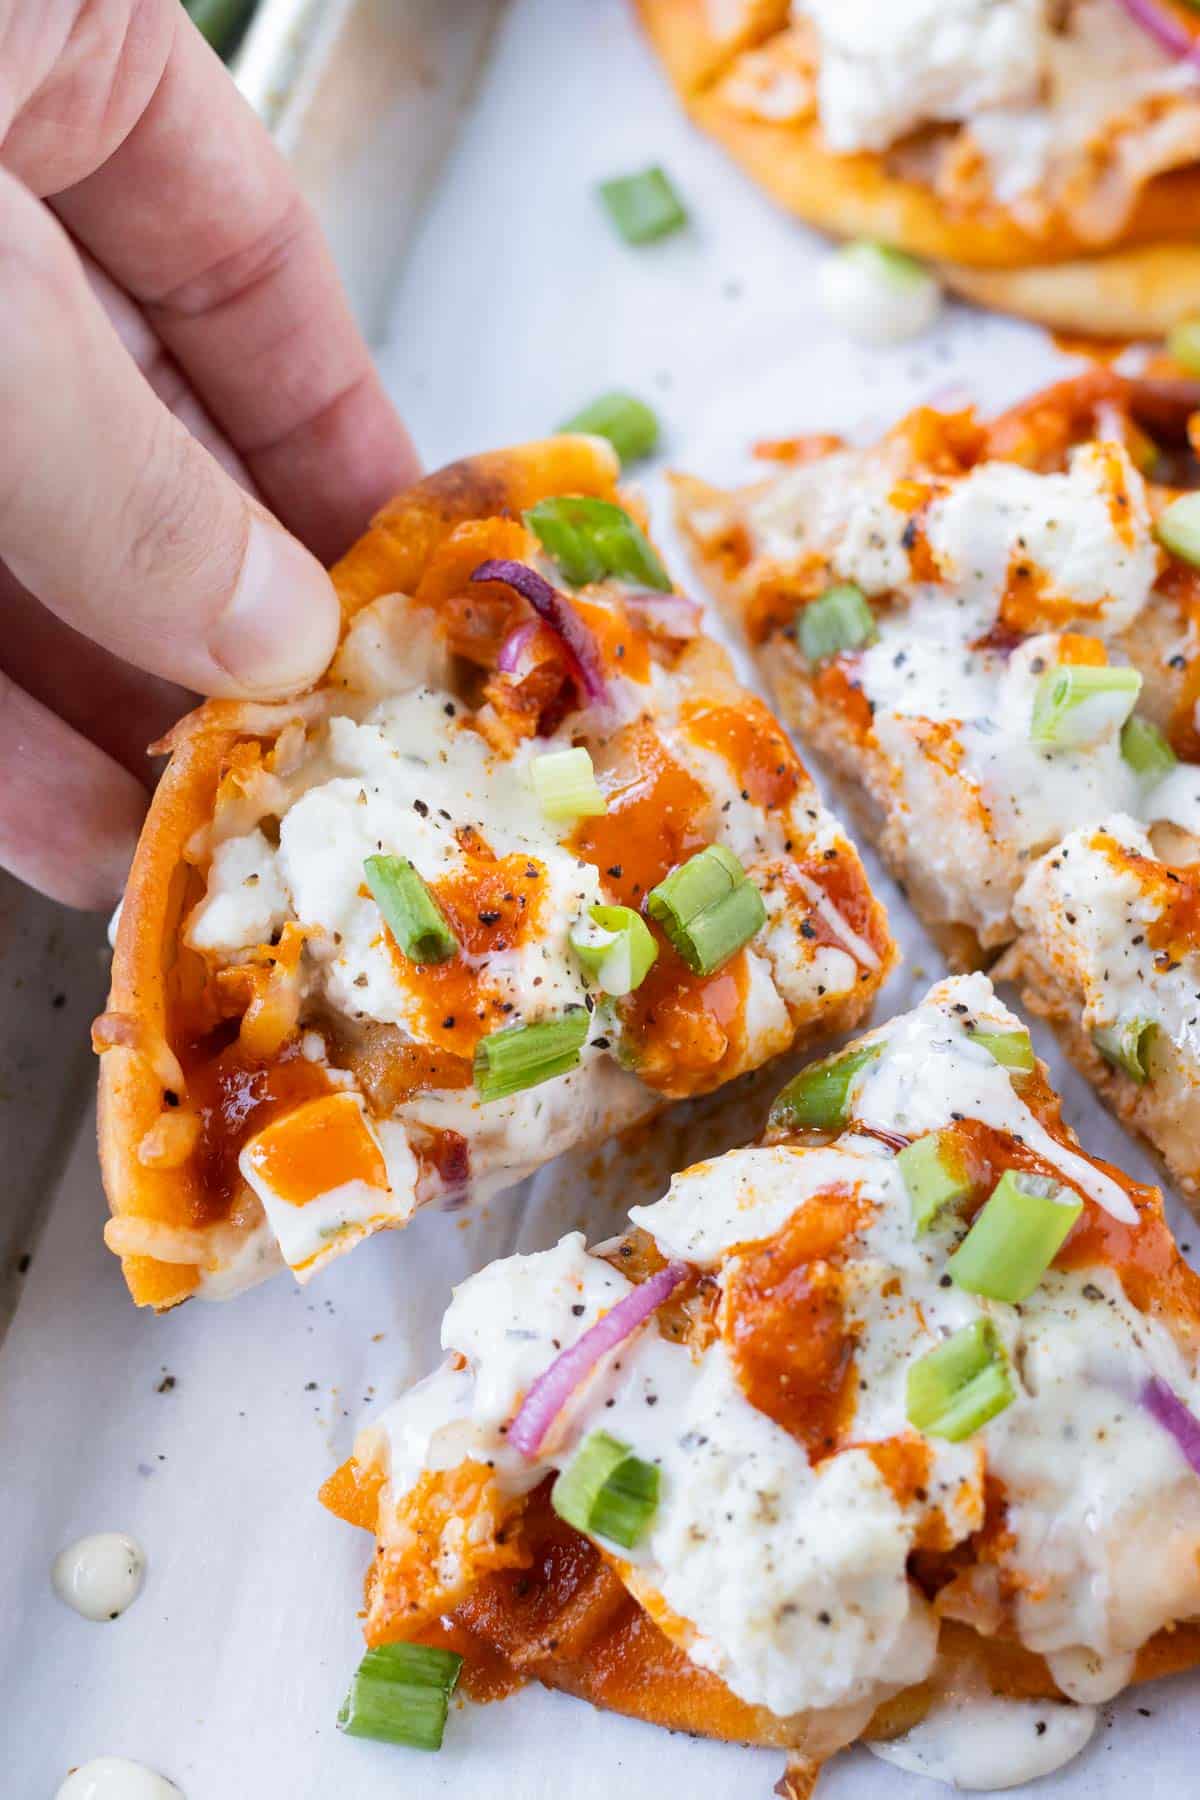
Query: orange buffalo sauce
[[752, 745], [658, 815], [235, 1097], [686, 1028], [1173, 891], [491, 905], [318, 1147], [783, 1322]]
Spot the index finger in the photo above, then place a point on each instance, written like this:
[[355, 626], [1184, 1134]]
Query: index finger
[[197, 216]]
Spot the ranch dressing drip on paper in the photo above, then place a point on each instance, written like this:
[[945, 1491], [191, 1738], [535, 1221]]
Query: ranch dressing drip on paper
[[984, 1743], [116, 1778], [99, 1576]]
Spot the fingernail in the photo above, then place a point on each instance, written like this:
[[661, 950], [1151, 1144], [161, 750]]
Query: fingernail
[[281, 627]]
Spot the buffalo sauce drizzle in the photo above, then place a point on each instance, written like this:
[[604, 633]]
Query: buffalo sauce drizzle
[[783, 1322]]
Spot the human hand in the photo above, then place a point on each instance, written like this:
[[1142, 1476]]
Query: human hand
[[176, 356]]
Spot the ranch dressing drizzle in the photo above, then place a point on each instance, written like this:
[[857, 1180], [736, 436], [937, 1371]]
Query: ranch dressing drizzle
[[115, 1778], [931, 1073], [99, 1576], [982, 1743]]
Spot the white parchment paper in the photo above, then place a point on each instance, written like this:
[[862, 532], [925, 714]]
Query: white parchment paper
[[207, 1433]]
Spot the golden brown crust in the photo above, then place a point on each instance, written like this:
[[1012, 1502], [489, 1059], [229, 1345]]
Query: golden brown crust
[[693, 51], [1143, 291], [1143, 284], [403, 535]]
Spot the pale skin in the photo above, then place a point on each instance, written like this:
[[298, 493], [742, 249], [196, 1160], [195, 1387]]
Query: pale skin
[[192, 425]]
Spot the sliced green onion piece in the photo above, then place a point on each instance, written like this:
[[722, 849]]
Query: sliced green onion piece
[[1178, 528], [839, 620], [1126, 1045], [411, 913], [565, 784], [616, 947], [708, 908], [818, 1098], [1076, 706], [1183, 345], [1015, 1237], [607, 1491], [523, 1056], [644, 206], [591, 539], [957, 1388], [1145, 748], [401, 1693], [630, 426], [935, 1176], [1013, 1050]]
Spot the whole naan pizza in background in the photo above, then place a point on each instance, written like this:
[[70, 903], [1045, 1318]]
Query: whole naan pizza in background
[[882, 1428], [1044, 153], [992, 631], [527, 865]]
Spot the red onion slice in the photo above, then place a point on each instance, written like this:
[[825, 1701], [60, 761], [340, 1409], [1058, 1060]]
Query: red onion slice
[[515, 648], [558, 613], [555, 1385], [1163, 23], [1163, 1404], [664, 615]]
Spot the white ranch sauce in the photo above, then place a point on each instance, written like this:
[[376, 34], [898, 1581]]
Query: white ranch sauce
[[115, 1778], [983, 1743], [101, 1575]]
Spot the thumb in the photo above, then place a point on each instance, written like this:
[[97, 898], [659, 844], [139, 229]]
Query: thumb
[[115, 516]]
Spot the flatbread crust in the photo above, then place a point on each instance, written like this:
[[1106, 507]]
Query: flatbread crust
[[1142, 285], [140, 1076]]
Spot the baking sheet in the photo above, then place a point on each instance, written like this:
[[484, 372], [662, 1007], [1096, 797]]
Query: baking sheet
[[206, 1433]]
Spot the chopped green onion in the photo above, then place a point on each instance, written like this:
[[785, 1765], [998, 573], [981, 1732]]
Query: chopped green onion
[[708, 908], [565, 784], [1145, 748], [607, 1491], [616, 947], [591, 539], [401, 1693], [1015, 1237], [1013, 1050], [1076, 706], [957, 1388], [523, 1056], [818, 1098], [1183, 345], [1178, 528], [411, 913], [630, 426], [839, 620], [935, 1175], [644, 206], [1126, 1045]]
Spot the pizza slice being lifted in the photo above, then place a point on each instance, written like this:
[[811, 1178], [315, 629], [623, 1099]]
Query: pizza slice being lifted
[[528, 864], [1046, 157], [992, 631], [883, 1428]]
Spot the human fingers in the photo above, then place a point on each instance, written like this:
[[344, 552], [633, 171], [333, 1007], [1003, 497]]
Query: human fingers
[[113, 514]]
